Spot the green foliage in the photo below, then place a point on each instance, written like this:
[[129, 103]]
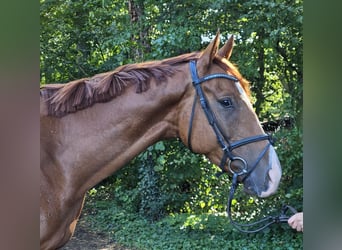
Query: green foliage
[[151, 203], [188, 231]]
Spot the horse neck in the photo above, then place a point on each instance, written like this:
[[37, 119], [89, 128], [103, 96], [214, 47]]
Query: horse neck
[[94, 143]]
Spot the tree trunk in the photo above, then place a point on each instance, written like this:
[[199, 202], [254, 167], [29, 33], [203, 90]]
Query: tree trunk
[[142, 44]]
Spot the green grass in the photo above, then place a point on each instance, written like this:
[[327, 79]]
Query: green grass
[[186, 231]]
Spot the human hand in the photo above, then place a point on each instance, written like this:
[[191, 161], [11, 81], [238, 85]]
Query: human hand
[[296, 222]]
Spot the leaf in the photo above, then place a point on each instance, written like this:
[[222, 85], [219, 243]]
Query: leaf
[[159, 146], [158, 168]]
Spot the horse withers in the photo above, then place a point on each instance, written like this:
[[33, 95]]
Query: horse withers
[[92, 127]]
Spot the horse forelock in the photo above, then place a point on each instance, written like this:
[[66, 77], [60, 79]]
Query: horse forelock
[[63, 99]]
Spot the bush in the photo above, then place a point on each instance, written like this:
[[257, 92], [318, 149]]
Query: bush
[[188, 231]]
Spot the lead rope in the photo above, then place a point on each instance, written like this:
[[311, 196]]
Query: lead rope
[[264, 222]]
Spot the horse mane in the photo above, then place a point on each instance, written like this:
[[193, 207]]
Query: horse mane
[[62, 99]]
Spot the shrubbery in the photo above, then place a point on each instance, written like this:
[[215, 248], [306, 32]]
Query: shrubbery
[[186, 231]]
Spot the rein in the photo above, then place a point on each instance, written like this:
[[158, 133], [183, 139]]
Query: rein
[[262, 223], [227, 148]]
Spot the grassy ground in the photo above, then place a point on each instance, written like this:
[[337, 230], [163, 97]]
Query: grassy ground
[[86, 238], [184, 231]]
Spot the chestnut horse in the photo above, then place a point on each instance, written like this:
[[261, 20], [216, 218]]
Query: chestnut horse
[[92, 127]]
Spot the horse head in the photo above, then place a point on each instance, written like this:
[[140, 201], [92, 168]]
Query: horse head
[[218, 120]]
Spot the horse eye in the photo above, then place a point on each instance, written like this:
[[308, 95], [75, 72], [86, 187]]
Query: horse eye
[[226, 102]]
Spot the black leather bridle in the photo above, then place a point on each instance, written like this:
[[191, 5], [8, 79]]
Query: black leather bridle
[[228, 147]]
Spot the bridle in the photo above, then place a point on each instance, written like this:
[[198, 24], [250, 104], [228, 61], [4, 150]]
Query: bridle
[[227, 147]]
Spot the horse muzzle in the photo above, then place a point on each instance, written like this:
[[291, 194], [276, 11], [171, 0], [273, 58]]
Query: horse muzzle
[[264, 180]]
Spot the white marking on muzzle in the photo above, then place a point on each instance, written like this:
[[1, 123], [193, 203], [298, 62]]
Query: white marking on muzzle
[[274, 174]]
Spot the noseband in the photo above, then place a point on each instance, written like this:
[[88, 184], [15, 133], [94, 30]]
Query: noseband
[[227, 148]]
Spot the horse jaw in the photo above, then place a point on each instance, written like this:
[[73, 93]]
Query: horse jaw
[[274, 174]]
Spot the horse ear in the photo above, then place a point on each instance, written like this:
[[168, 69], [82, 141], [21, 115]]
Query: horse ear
[[209, 53], [226, 50]]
